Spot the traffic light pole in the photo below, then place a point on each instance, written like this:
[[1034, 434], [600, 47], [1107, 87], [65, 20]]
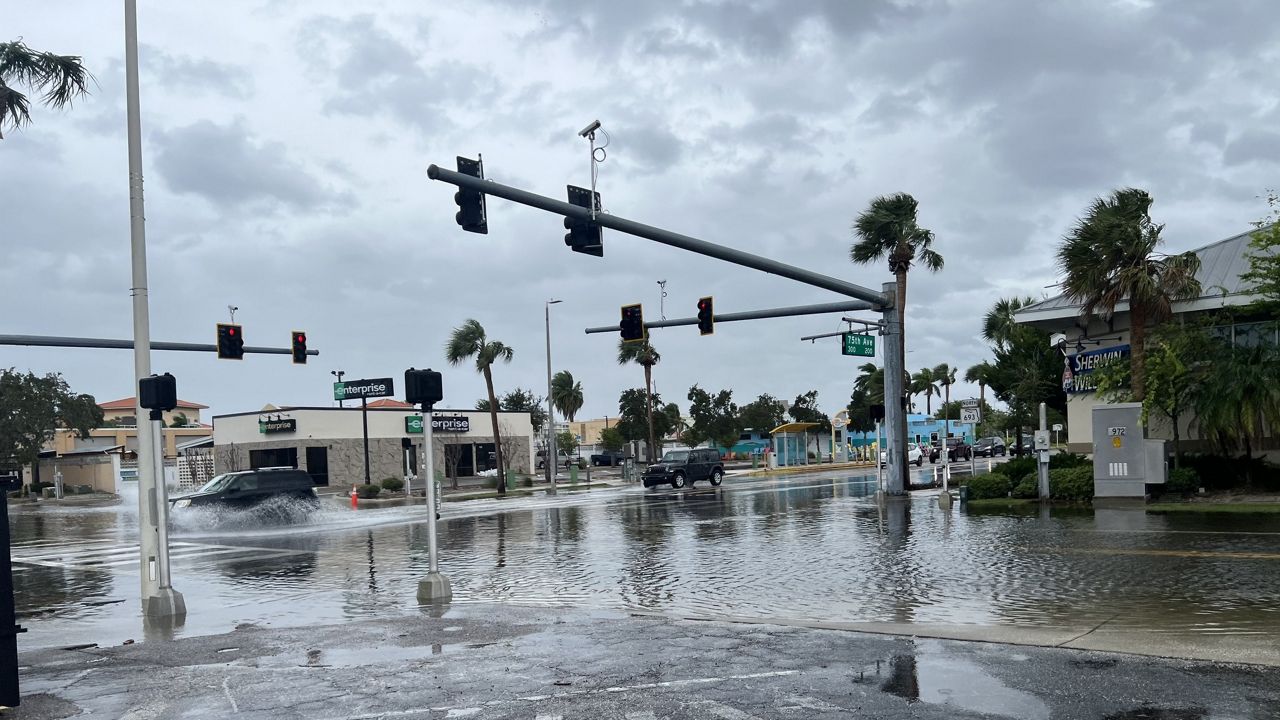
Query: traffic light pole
[[882, 300], [793, 311], [666, 237], [158, 598], [109, 344]]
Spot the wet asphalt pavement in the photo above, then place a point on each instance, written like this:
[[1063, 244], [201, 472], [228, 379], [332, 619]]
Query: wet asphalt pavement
[[798, 552]]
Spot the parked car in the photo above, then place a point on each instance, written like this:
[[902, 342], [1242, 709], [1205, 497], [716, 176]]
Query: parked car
[[681, 467], [563, 459], [989, 447], [247, 489], [957, 449], [608, 457], [914, 455]]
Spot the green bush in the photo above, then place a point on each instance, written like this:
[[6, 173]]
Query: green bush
[[989, 485], [1027, 488], [368, 490], [1018, 468], [1074, 484], [1068, 460], [1182, 480], [392, 484]]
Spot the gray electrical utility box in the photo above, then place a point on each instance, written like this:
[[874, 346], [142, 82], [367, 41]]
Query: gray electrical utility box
[[1124, 461]]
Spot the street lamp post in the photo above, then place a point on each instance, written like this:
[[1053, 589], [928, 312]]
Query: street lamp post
[[552, 462], [159, 598]]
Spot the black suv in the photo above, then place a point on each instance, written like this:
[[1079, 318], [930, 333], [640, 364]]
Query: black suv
[[989, 447], [679, 467], [957, 449], [248, 489]]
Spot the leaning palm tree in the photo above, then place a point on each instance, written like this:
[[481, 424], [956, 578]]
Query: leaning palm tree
[[468, 341], [1110, 256], [981, 374], [643, 354], [998, 326], [945, 376], [924, 383], [566, 394], [62, 78]]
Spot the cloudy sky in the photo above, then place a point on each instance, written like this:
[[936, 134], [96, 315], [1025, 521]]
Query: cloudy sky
[[286, 146]]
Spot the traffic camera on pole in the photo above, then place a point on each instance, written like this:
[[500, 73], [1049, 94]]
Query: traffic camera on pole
[[584, 236], [230, 342], [471, 209], [706, 317], [632, 325], [299, 340]]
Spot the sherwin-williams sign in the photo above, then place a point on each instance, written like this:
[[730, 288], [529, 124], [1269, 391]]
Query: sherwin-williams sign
[[1077, 372], [268, 427], [377, 387]]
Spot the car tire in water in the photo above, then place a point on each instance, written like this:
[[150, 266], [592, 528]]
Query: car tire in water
[[677, 482], [716, 477], [920, 461]]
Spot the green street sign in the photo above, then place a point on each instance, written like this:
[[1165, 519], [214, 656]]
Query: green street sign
[[859, 345], [413, 424], [339, 391]]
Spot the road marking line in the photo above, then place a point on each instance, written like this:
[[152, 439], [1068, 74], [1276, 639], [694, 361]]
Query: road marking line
[[721, 710], [641, 715], [540, 716]]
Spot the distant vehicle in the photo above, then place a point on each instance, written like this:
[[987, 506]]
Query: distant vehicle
[[608, 457], [248, 489], [681, 467], [957, 449], [914, 455], [989, 447], [562, 459]]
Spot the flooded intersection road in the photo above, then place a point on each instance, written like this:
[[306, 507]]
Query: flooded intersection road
[[801, 549]]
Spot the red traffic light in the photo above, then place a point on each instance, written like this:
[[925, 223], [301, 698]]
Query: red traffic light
[[231, 331], [302, 338]]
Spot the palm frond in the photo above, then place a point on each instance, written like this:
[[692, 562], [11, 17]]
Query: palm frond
[[465, 341]]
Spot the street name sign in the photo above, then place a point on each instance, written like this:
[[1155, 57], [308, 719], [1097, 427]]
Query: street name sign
[[355, 389], [859, 345]]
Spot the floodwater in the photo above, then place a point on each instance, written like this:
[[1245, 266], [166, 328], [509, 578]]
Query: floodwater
[[800, 548]]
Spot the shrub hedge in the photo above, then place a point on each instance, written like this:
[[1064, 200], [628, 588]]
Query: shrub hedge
[[989, 485], [392, 484], [1182, 480], [1075, 484], [368, 490]]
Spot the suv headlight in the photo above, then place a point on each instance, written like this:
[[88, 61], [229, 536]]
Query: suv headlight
[[182, 503]]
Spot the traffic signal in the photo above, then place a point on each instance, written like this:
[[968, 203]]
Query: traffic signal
[[299, 347], [877, 412], [230, 342], [706, 317], [423, 387], [471, 211], [632, 324], [584, 236], [158, 392]]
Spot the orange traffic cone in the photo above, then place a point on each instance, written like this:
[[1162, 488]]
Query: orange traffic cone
[[354, 497]]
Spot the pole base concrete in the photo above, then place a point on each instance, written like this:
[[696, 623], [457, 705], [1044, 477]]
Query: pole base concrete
[[434, 588], [944, 501], [167, 602]]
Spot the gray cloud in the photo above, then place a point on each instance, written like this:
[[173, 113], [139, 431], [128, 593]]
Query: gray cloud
[[226, 166], [192, 75], [1253, 145]]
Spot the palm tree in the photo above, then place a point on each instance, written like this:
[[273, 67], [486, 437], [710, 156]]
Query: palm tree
[[468, 341], [981, 374], [62, 78], [945, 375], [566, 394], [924, 383], [1110, 256], [888, 229], [998, 325], [643, 354]]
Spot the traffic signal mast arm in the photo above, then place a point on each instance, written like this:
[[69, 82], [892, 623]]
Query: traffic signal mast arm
[[792, 311], [79, 342], [874, 300]]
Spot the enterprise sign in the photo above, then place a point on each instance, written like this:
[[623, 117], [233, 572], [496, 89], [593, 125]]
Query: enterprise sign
[[457, 424], [376, 387], [268, 427], [1077, 370]]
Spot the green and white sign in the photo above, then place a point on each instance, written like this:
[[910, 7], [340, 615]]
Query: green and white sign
[[859, 345], [413, 425], [356, 389]]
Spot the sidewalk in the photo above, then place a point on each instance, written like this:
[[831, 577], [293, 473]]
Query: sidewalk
[[504, 661]]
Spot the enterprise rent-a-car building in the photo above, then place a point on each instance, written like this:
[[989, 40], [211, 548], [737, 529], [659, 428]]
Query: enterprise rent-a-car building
[[328, 442]]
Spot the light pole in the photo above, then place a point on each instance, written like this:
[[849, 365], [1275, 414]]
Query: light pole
[[552, 463], [338, 374]]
